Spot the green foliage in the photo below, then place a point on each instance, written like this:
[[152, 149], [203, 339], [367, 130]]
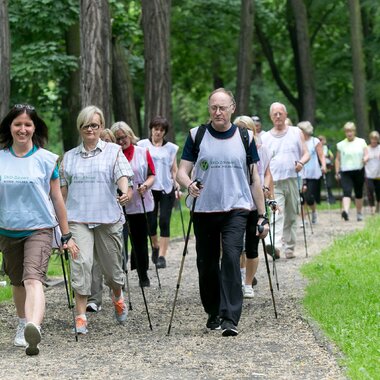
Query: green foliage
[[342, 296]]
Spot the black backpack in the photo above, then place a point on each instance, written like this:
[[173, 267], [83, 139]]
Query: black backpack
[[244, 138]]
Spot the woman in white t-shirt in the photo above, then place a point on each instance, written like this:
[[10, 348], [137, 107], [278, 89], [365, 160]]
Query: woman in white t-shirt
[[372, 172], [351, 156]]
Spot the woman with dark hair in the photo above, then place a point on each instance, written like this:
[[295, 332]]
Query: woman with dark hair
[[30, 204], [164, 154]]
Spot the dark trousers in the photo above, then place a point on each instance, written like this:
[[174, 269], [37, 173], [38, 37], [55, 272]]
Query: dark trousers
[[163, 206], [220, 281], [139, 235]]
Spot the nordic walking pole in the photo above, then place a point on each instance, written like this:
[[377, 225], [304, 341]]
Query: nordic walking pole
[[126, 276], [302, 212], [69, 291], [181, 214], [198, 184], [272, 204], [150, 237], [268, 273], [327, 194], [309, 219], [134, 253]]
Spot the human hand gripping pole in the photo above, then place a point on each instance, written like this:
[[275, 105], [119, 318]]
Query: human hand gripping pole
[[66, 269], [199, 186], [134, 253]]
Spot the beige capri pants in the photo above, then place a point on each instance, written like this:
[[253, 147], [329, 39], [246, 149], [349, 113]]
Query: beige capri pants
[[103, 242]]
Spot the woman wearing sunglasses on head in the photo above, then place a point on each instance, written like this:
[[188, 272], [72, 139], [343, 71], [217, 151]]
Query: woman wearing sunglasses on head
[[30, 204]]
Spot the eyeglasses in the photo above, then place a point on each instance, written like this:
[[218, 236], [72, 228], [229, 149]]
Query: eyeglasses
[[256, 118], [93, 126], [24, 106], [215, 108], [121, 138]]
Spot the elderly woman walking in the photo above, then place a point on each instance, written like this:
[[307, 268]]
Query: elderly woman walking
[[90, 176]]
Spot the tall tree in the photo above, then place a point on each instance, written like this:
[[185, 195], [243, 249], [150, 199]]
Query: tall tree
[[303, 62], [122, 88], [358, 68], [95, 36], [245, 57], [71, 100], [5, 52], [156, 27]]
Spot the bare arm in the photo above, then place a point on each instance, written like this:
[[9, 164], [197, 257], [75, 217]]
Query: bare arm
[[60, 211], [321, 156], [127, 190], [365, 155], [184, 179], [148, 183], [337, 163], [305, 154], [258, 197]]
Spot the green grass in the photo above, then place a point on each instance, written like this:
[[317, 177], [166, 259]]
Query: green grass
[[343, 296], [55, 268]]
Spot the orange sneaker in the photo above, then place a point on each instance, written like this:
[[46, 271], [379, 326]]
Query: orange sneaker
[[121, 310], [81, 325]]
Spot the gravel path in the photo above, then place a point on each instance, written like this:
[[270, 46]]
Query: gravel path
[[266, 348]]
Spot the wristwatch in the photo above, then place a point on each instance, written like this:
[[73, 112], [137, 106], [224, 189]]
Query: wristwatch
[[264, 216]]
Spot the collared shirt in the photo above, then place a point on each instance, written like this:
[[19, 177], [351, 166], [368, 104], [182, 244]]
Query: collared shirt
[[121, 169]]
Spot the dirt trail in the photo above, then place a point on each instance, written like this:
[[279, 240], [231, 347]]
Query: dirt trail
[[266, 348]]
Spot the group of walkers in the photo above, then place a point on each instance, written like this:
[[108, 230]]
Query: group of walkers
[[113, 186]]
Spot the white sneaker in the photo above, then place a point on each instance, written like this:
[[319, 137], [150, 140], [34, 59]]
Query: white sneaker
[[19, 338], [33, 338], [92, 307], [248, 291]]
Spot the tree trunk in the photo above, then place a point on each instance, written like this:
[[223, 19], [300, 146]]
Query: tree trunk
[[156, 27], [369, 25], [71, 102], [358, 68], [245, 57], [96, 56], [5, 57], [122, 87], [304, 63]]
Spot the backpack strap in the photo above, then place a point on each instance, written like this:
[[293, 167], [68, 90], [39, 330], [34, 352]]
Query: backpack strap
[[245, 139], [198, 139]]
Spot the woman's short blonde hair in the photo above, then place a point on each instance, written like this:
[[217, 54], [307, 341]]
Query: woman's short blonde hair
[[125, 128], [245, 122], [349, 126], [305, 126], [374, 135], [85, 116], [107, 132]]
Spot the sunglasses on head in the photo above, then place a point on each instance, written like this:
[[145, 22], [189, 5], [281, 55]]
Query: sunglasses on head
[[24, 106]]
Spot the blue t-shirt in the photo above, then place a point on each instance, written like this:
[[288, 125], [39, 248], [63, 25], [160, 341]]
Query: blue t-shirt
[[188, 153], [21, 234]]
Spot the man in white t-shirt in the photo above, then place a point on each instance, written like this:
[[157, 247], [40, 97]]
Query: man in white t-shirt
[[289, 154]]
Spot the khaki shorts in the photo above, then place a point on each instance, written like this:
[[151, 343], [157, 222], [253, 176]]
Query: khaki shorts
[[27, 258]]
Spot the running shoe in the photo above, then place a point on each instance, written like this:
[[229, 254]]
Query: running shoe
[[213, 322], [248, 291], [81, 325], [33, 338], [161, 262], [20, 338], [121, 310], [229, 328]]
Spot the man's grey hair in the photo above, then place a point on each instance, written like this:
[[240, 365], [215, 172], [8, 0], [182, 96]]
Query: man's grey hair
[[277, 104]]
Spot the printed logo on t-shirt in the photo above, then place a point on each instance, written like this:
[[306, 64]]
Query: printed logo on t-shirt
[[204, 165]]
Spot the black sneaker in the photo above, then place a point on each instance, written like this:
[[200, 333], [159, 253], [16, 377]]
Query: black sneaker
[[213, 322], [161, 262], [155, 255], [228, 328], [254, 282]]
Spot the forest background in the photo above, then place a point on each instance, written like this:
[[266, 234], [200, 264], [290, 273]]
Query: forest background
[[137, 59]]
